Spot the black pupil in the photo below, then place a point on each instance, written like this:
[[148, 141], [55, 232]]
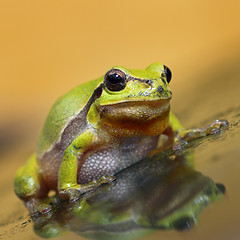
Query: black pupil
[[168, 73], [115, 78]]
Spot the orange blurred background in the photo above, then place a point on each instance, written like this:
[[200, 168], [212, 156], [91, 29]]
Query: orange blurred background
[[49, 47]]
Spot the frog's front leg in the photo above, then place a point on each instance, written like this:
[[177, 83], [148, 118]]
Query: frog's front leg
[[185, 136], [67, 176]]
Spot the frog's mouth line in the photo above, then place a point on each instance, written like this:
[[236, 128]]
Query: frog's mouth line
[[135, 110]]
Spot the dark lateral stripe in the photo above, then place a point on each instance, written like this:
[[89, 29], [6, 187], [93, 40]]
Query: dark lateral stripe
[[75, 127]]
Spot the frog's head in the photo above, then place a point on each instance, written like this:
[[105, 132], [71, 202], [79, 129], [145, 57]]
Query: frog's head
[[124, 85], [132, 98]]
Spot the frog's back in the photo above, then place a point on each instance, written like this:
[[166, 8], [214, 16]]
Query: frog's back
[[62, 112]]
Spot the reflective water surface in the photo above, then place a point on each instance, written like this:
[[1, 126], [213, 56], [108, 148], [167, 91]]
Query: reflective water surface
[[163, 192]]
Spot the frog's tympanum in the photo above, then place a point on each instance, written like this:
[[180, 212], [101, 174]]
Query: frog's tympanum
[[100, 128]]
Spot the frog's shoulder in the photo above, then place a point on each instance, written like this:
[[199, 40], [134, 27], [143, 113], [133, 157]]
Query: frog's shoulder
[[62, 112]]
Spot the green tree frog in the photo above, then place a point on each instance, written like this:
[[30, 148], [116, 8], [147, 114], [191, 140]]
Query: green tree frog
[[99, 128]]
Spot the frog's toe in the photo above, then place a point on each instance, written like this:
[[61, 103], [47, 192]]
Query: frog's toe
[[105, 180], [222, 123], [74, 193], [71, 193], [216, 126], [36, 207]]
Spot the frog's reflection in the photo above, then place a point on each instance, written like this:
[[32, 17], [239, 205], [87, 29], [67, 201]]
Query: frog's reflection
[[163, 192]]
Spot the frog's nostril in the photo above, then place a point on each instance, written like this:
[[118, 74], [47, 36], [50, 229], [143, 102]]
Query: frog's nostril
[[160, 89]]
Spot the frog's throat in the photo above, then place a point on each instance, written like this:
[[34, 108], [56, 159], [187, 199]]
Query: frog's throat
[[136, 117]]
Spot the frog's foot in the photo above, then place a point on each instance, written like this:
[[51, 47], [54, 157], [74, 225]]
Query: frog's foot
[[189, 135], [73, 193]]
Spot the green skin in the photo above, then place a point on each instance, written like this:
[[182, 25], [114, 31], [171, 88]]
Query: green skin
[[55, 165]]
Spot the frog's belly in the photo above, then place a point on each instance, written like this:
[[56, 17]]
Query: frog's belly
[[111, 159]]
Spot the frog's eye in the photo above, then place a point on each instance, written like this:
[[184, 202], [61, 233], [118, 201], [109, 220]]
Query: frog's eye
[[115, 80], [168, 73]]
